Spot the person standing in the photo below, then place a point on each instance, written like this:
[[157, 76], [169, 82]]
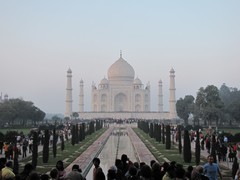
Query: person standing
[[61, 169], [7, 172], [75, 174], [97, 169], [211, 170], [24, 148], [30, 145]]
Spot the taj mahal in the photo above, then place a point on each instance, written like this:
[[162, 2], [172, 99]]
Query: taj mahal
[[122, 96]]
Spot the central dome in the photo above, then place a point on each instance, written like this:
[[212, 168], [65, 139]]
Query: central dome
[[121, 70]]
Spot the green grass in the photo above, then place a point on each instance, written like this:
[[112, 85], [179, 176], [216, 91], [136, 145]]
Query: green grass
[[24, 130], [68, 155], [231, 131]]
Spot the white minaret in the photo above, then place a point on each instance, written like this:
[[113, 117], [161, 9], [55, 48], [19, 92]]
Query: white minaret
[[81, 97], [160, 97], [68, 112], [172, 99]]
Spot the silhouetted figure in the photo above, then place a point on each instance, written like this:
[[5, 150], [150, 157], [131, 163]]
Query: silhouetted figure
[[61, 171], [34, 176], [145, 172], [28, 168], [54, 174], [189, 172], [75, 174], [97, 168], [124, 160], [118, 164], [100, 175], [44, 177]]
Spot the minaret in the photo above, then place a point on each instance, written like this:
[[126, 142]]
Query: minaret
[[68, 112], [160, 97], [172, 99], [81, 97]]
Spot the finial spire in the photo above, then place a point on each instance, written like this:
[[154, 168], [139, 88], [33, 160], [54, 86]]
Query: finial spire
[[120, 53]]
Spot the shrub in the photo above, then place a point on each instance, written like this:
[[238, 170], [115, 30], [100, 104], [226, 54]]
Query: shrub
[[187, 154], [35, 150], [46, 146], [168, 137]]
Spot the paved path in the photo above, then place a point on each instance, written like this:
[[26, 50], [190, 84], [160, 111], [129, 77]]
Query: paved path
[[205, 154], [142, 152], [84, 160], [225, 166]]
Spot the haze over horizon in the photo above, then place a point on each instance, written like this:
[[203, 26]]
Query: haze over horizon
[[40, 40]]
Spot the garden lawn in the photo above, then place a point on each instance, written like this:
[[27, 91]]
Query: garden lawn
[[25, 131]]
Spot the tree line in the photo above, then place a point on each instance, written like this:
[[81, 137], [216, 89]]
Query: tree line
[[211, 106], [19, 112]]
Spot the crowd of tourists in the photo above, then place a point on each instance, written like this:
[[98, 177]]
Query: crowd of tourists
[[123, 169], [225, 150], [23, 145]]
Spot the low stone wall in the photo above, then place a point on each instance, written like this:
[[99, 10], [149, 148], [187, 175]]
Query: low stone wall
[[125, 115]]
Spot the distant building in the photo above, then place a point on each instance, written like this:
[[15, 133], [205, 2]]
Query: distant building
[[3, 98], [121, 96]]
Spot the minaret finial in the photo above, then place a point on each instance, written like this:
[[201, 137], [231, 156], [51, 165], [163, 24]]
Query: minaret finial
[[120, 53]]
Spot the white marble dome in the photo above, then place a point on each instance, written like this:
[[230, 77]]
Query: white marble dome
[[121, 70]]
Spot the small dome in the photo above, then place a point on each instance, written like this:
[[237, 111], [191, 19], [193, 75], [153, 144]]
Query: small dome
[[69, 71], [121, 70], [137, 81], [104, 81], [172, 71]]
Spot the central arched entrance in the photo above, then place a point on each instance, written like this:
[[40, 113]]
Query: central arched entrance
[[120, 102]]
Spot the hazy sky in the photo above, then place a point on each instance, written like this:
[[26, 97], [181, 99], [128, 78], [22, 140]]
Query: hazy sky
[[40, 40]]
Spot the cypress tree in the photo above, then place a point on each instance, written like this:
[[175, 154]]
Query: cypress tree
[[235, 167], [157, 133], [179, 140], [214, 148], [163, 134], [73, 135], [54, 143], [98, 125], [83, 131], [147, 127], [197, 149], [76, 134], [80, 133], [187, 154], [62, 142], [15, 160], [46, 146], [91, 127], [160, 132], [151, 130], [168, 137], [35, 150]]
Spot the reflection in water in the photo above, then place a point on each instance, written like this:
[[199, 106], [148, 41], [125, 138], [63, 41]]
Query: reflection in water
[[118, 143]]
